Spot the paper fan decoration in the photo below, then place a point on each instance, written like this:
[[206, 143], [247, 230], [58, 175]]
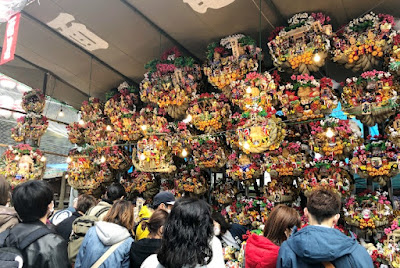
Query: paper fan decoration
[[370, 97], [260, 133], [302, 46], [307, 98], [22, 163], [171, 82], [230, 60], [362, 43], [393, 130]]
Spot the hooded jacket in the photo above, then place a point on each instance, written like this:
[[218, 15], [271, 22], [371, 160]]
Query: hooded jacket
[[144, 215], [99, 239], [260, 252], [313, 245], [46, 252], [8, 218]]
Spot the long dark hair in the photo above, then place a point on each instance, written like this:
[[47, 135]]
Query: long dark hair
[[225, 226], [187, 235]]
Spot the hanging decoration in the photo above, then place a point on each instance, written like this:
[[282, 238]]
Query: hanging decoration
[[307, 98], [303, 46], [208, 152], [370, 97], [224, 193], [121, 110], [190, 181], [377, 159], [92, 110], [393, 130], [30, 127], [261, 132], [231, 60], [335, 139], [117, 158], [288, 160], [244, 167], [255, 92], [368, 211], [152, 121], [171, 82], [327, 174], [394, 56], [362, 43], [76, 133], [209, 112], [141, 184], [22, 163], [33, 101], [153, 154], [281, 190]]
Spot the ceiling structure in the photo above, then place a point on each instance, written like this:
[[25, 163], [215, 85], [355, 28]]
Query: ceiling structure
[[75, 48]]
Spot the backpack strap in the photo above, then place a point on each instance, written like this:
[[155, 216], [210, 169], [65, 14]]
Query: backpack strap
[[3, 237], [32, 237], [101, 211], [106, 254]]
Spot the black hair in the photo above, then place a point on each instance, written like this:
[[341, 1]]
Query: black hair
[[4, 191], [115, 191], [225, 226], [323, 203], [187, 235], [31, 200]]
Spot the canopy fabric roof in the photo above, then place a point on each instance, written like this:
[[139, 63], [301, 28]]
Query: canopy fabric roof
[[60, 37]]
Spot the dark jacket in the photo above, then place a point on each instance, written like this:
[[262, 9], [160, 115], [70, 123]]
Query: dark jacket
[[64, 228], [48, 251], [313, 245], [260, 252], [8, 218], [142, 249]]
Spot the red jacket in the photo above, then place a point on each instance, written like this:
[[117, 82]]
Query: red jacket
[[260, 252]]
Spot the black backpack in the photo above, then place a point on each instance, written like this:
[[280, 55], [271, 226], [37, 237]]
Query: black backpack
[[12, 257]]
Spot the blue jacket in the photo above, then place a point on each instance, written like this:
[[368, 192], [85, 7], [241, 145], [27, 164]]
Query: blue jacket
[[313, 245], [98, 239]]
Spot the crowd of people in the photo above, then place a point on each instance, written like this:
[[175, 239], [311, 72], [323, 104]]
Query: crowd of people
[[170, 233]]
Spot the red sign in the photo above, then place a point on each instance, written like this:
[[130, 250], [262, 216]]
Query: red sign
[[10, 39]]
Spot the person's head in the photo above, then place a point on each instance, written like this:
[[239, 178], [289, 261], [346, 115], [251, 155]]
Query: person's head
[[280, 223], [4, 191], [115, 192], [33, 200], [164, 200], [156, 223], [323, 207], [121, 213], [85, 202], [220, 224], [187, 235]]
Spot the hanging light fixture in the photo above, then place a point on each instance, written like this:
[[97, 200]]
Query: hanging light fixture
[[317, 58], [61, 113], [329, 133], [187, 119], [184, 153]]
